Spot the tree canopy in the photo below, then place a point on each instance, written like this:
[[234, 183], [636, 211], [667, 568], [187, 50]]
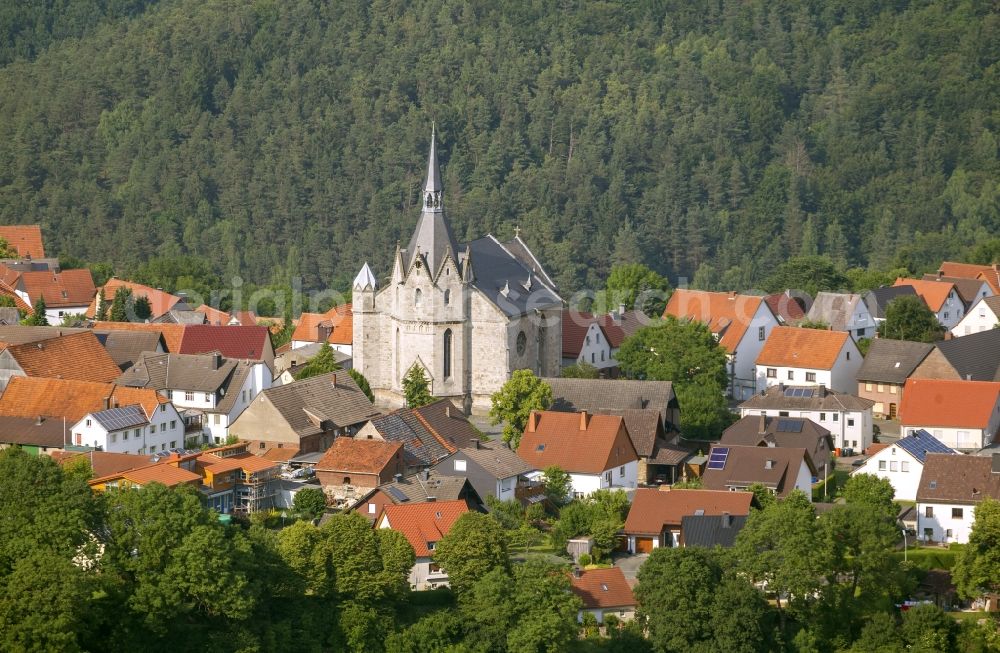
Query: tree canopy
[[908, 318], [512, 404]]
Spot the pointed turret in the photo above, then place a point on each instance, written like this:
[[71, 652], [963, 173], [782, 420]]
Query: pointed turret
[[365, 279], [432, 239]]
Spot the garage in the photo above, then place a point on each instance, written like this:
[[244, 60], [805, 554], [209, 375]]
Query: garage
[[643, 544]]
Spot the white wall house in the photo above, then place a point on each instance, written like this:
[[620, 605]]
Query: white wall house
[[622, 477], [128, 429], [984, 315], [902, 462], [798, 356], [964, 415], [848, 418], [950, 488], [944, 522], [589, 346]]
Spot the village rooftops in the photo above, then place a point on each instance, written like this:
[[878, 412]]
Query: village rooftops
[[835, 309], [776, 468], [892, 361], [69, 288], [429, 433], [160, 302], [959, 479], [423, 524], [25, 238], [988, 273], [975, 357], [33, 396], [878, 299], [602, 588], [192, 372], [172, 334], [934, 293], [577, 442], [652, 510], [802, 348], [763, 431], [48, 433], [792, 397], [948, 403], [79, 356], [336, 326], [920, 443], [728, 315], [334, 397], [358, 456]]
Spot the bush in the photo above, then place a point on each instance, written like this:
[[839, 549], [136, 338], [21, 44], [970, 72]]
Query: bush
[[585, 560]]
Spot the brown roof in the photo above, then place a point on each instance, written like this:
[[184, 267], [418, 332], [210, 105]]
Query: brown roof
[[967, 289], [774, 467], [34, 396], [651, 509], [160, 302], [358, 456], [763, 431], [948, 403], [66, 288], [338, 323], [792, 397], [727, 314], [575, 325], [103, 463], [25, 238], [934, 293], [423, 523], [789, 309], [798, 347], [603, 588], [158, 473], [78, 356], [576, 442], [305, 404], [49, 433], [279, 454], [172, 334], [497, 459], [988, 273], [959, 479]]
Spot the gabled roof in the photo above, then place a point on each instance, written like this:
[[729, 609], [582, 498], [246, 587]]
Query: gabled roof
[[988, 273], [217, 317], [498, 460], [25, 238], [429, 485], [834, 309], [246, 342], [788, 432], [948, 403], [992, 302], [812, 398], [190, 372], [337, 324], [160, 302], [652, 510], [727, 314], [124, 417], [575, 327], [612, 396], [958, 479], [892, 361], [712, 530], [78, 356], [934, 293], [172, 334], [162, 473], [967, 289], [774, 467], [15, 334], [49, 432], [33, 396], [334, 397], [423, 523], [358, 456], [429, 433], [510, 277], [576, 442], [975, 357], [125, 347], [788, 309], [603, 588], [805, 348], [920, 443], [103, 463], [69, 288], [878, 299]]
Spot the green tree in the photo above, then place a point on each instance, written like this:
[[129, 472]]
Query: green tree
[[558, 484], [142, 308], [416, 388], [362, 383], [873, 491], [908, 318], [474, 545], [310, 502], [580, 371], [37, 317], [985, 253], [977, 566], [513, 403], [7, 250], [323, 362], [101, 311], [636, 287], [123, 305], [927, 628], [809, 273]]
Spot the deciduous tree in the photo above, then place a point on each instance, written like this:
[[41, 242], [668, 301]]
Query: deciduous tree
[[474, 545], [908, 318], [512, 404], [977, 567], [416, 388]]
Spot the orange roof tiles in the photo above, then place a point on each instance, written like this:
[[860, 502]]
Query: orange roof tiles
[[576, 442], [214, 315], [359, 456], [727, 314], [423, 523], [339, 320], [160, 302], [66, 288], [603, 588], [934, 293], [948, 403], [78, 356], [247, 462], [172, 334], [103, 463], [651, 509], [797, 347], [164, 473], [33, 396], [988, 273], [7, 291], [25, 238]]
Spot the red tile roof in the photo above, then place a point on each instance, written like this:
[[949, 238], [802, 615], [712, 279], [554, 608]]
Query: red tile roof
[[66, 288], [215, 316], [25, 238], [359, 456], [727, 314], [603, 588], [934, 293], [250, 342], [160, 302], [33, 396], [653, 509], [575, 325], [339, 320], [787, 308], [948, 403], [797, 347], [576, 442], [172, 333], [162, 472], [988, 273], [78, 356], [423, 523]]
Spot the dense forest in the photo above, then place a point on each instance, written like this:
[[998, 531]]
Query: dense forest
[[707, 140]]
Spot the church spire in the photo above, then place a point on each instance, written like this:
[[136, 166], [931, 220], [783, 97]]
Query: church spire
[[432, 239], [432, 186]]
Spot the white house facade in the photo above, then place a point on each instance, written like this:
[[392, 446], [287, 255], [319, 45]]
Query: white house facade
[[128, 429], [984, 315]]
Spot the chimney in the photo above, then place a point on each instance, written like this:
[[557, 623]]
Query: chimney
[[38, 421], [762, 425], [940, 273], [727, 520], [532, 421], [476, 441], [398, 477], [577, 572], [216, 360], [447, 411], [431, 499], [427, 474], [968, 377], [333, 380], [822, 389], [107, 402], [584, 418], [732, 295]]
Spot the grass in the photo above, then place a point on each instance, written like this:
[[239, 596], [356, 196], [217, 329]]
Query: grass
[[836, 481], [931, 557]]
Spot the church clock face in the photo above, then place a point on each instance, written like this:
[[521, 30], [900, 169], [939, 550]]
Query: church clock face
[[522, 342]]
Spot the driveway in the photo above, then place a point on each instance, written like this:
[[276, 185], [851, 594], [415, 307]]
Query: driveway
[[629, 564]]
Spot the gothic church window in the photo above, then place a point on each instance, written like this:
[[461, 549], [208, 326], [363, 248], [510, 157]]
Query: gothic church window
[[522, 342], [447, 353], [417, 296], [447, 297]]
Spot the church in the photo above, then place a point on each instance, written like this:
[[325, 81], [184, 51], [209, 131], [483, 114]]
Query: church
[[469, 315]]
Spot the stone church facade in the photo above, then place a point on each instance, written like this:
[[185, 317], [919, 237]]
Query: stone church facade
[[469, 315]]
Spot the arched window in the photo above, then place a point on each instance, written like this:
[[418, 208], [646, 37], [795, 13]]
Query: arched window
[[447, 297], [417, 297], [447, 353]]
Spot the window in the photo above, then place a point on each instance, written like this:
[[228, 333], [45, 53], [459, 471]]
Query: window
[[822, 417], [218, 440], [588, 341], [431, 546], [371, 508], [811, 377], [447, 297], [114, 437], [947, 534], [621, 471], [173, 424], [89, 423], [593, 357], [522, 343], [836, 417], [218, 419], [929, 512], [894, 466], [772, 373], [208, 397], [904, 465], [163, 447], [781, 413], [760, 334], [956, 513], [848, 355], [791, 375], [447, 353], [163, 408], [945, 315], [188, 396], [244, 395], [881, 465], [347, 480], [459, 465], [892, 389], [137, 432], [982, 311], [868, 387], [881, 388], [861, 333], [417, 297], [602, 355], [173, 444], [152, 428], [607, 477], [850, 421]]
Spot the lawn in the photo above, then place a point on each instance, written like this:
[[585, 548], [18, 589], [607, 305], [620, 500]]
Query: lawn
[[931, 557]]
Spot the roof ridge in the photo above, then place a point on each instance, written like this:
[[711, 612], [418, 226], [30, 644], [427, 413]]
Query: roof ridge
[[437, 436]]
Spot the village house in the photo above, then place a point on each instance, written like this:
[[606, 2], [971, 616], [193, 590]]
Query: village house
[[740, 323], [335, 327], [814, 357], [655, 516], [950, 489], [603, 592], [710, 531], [878, 300], [779, 469], [786, 433], [101, 463], [170, 334], [26, 239], [423, 525], [491, 467], [131, 428], [789, 307], [975, 357], [429, 434], [964, 415], [34, 435], [160, 302], [902, 462], [67, 292], [941, 297], [78, 356], [988, 273], [306, 415], [843, 312], [421, 487], [351, 468], [882, 376], [983, 316], [969, 291], [584, 341], [847, 418], [595, 450]]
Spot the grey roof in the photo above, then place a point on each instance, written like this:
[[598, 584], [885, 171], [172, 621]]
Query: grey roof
[[9, 315], [508, 281], [420, 447], [497, 459], [791, 397], [876, 300], [117, 419], [611, 396], [712, 530], [330, 397], [644, 426], [365, 279], [191, 372], [175, 316], [976, 357], [416, 488], [834, 309], [231, 389], [433, 238], [15, 334], [47, 432], [920, 443], [892, 361], [125, 347]]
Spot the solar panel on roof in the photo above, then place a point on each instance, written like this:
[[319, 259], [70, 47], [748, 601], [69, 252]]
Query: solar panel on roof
[[396, 494], [790, 425], [717, 459]]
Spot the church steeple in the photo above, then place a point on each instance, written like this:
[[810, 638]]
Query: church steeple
[[432, 239]]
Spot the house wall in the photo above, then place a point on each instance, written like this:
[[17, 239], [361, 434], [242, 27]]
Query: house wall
[[979, 318], [883, 394], [262, 423], [422, 578], [935, 366], [952, 311], [798, 376], [585, 484], [845, 370], [198, 400], [941, 521], [623, 614], [146, 443], [965, 439], [55, 315], [803, 480], [595, 349], [905, 478], [847, 428], [742, 361]]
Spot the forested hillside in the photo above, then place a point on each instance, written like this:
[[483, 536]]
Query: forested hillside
[[712, 139]]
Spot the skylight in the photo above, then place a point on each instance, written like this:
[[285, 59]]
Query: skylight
[[604, 587], [540, 447]]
